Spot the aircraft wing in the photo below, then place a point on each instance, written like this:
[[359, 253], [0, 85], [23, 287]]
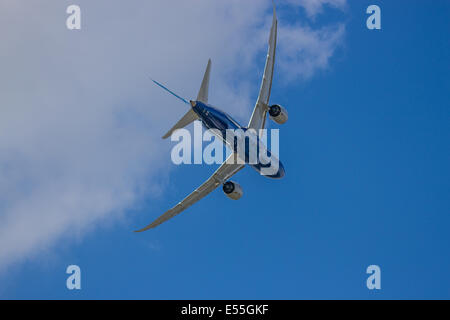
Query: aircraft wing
[[258, 119], [225, 171]]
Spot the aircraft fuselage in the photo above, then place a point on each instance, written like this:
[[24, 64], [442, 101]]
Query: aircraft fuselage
[[213, 118]]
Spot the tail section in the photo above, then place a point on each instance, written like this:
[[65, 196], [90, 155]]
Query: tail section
[[202, 96], [204, 89]]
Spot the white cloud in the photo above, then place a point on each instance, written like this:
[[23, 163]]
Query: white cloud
[[80, 122], [304, 51], [314, 7]]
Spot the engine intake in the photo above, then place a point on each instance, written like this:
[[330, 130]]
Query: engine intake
[[232, 190], [278, 114]]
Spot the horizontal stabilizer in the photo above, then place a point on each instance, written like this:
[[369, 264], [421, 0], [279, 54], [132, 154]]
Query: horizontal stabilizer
[[189, 117]]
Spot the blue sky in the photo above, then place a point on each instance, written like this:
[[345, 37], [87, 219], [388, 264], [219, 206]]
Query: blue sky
[[366, 155]]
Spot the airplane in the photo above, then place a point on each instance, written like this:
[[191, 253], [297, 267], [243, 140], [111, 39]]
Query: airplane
[[213, 118]]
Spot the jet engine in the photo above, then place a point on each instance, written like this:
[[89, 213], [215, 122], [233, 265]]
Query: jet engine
[[278, 114], [232, 190]]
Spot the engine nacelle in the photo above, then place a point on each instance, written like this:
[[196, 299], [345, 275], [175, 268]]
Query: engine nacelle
[[233, 190], [278, 114]]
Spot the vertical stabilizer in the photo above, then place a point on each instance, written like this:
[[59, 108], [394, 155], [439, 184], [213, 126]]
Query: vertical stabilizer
[[203, 93]]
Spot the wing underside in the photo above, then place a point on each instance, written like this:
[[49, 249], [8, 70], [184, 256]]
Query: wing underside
[[258, 118], [225, 171]]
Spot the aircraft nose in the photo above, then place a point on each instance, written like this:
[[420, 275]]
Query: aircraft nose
[[193, 103]]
